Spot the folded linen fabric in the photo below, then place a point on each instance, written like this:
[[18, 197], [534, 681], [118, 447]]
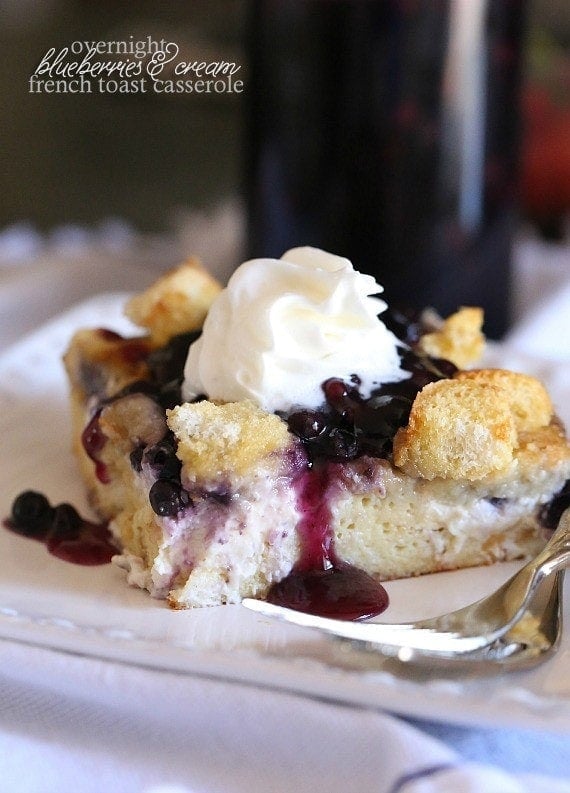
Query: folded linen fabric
[[74, 723]]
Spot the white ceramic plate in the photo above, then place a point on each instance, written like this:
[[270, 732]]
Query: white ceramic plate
[[92, 611]]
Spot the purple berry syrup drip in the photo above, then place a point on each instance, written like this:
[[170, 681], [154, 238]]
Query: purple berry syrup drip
[[346, 427], [93, 440], [319, 583]]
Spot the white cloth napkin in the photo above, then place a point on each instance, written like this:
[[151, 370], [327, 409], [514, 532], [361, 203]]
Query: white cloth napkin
[[84, 725], [76, 723]]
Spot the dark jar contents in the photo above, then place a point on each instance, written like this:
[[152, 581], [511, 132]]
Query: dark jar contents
[[387, 131]]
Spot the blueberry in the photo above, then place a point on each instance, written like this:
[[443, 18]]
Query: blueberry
[[307, 424], [168, 497], [163, 460], [31, 513], [347, 425], [66, 521], [92, 437], [340, 396], [341, 444]]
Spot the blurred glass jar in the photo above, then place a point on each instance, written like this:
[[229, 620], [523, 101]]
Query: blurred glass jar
[[387, 131]]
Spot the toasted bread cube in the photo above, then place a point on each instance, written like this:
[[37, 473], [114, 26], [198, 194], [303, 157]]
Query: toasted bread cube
[[528, 398], [457, 429], [459, 339], [214, 439], [176, 303]]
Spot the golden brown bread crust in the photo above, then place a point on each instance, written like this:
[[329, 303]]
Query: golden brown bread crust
[[456, 430], [176, 303], [544, 449], [459, 339], [215, 440], [527, 397], [482, 424], [100, 362]]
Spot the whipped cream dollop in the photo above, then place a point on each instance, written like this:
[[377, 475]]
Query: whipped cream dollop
[[282, 327]]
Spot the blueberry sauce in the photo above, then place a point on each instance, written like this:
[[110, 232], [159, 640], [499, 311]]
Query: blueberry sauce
[[134, 350], [93, 440], [405, 323], [342, 592], [348, 425], [550, 514], [319, 583], [314, 526], [63, 531]]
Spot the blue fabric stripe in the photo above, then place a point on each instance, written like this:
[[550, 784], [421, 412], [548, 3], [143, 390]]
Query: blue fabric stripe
[[421, 773]]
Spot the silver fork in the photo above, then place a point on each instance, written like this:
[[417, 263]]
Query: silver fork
[[481, 629]]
